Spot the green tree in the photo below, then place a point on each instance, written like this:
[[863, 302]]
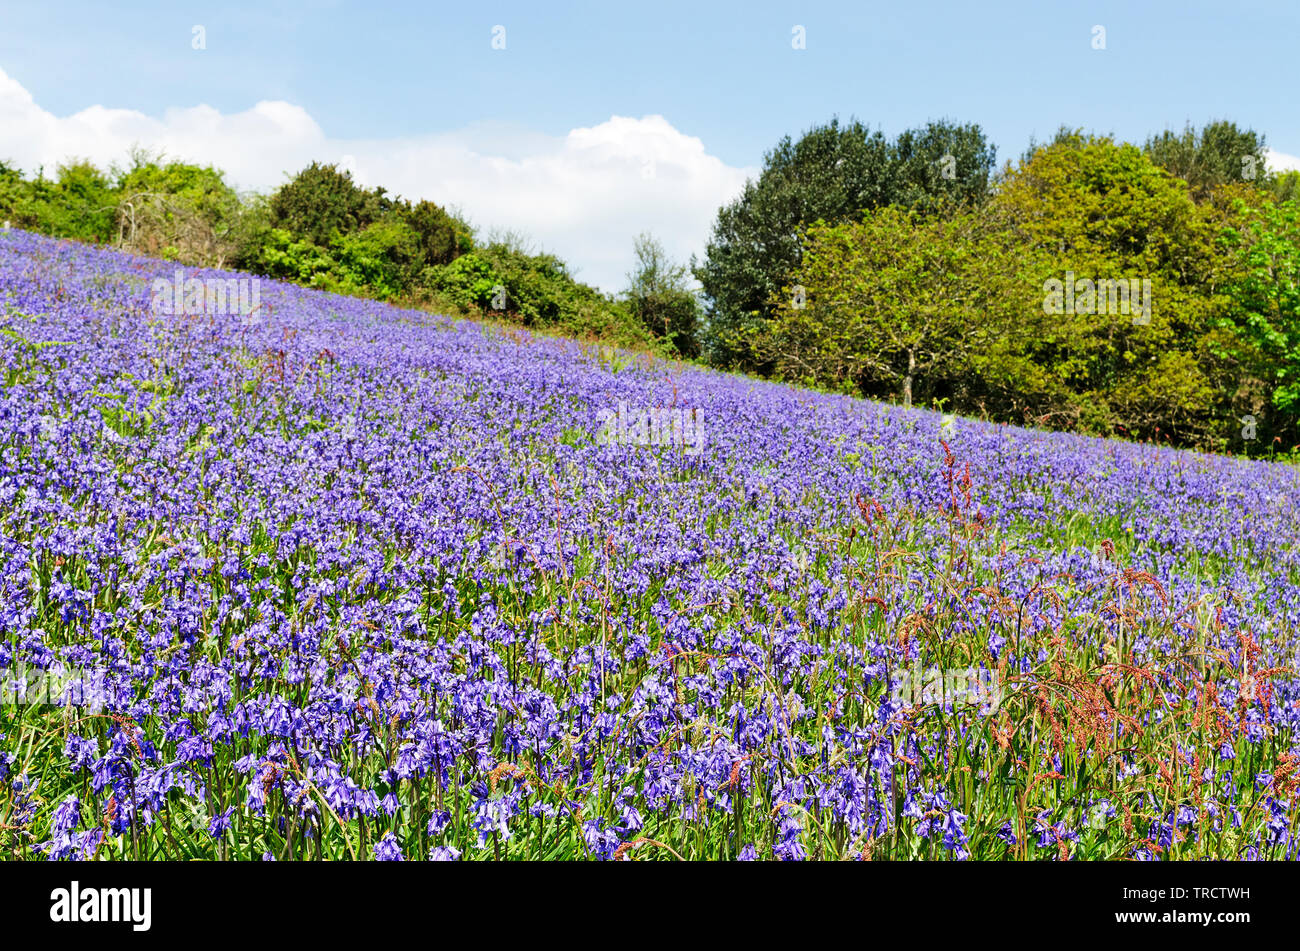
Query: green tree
[[832, 173], [1217, 154], [1285, 186], [659, 295], [967, 303], [942, 163], [441, 236], [13, 191], [1266, 295], [1087, 210], [896, 301]]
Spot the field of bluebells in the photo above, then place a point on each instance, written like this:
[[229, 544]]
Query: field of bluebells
[[334, 580]]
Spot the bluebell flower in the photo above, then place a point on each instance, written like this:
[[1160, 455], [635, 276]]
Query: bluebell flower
[[388, 849]]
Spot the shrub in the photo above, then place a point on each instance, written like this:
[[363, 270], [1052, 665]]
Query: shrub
[[186, 208], [384, 256], [322, 201]]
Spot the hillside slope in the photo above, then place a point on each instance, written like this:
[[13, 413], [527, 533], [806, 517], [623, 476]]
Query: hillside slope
[[346, 579]]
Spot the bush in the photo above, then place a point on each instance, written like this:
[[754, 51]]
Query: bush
[[322, 201], [658, 296], [536, 291], [180, 210], [384, 256], [79, 204], [280, 256], [12, 191], [441, 237], [468, 282]]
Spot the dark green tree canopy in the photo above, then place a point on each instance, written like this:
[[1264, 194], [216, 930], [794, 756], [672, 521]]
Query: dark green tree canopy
[[1217, 154], [942, 163], [322, 201], [832, 173], [442, 237]]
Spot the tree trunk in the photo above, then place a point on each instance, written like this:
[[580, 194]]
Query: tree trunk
[[907, 380]]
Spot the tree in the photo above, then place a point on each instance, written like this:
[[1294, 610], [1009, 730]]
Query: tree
[[13, 190], [441, 237], [1284, 186], [659, 296], [1089, 211], [897, 299], [1218, 154], [1266, 295], [968, 303], [830, 174], [942, 163]]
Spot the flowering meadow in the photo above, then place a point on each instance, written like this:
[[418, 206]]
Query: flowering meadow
[[334, 580]]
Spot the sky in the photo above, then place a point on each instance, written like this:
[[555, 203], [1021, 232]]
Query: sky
[[581, 125]]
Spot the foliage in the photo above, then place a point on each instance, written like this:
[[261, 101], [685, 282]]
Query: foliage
[[659, 296], [1095, 210], [385, 257], [469, 282], [323, 201], [968, 302], [1285, 186], [1266, 295], [441, 236], [504, 280], [1218, 154], [79, 203], [176, 210], [831, 173], [892, 299], [12, 190], [280, 256], [942, 164]]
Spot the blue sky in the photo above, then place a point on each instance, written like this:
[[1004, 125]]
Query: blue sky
[[599, 120]]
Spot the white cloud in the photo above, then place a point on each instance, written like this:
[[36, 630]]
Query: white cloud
[[583, 196], [1280, 161]]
